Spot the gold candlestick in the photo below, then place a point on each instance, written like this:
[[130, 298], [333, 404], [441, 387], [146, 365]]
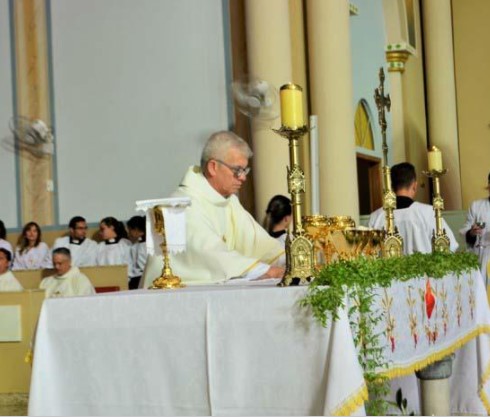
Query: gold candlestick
[[393, 242], [167, 280], [299, 248], [440, 240]]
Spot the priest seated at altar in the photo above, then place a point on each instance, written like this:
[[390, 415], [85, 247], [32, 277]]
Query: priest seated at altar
[[415, 221], [223, 241]]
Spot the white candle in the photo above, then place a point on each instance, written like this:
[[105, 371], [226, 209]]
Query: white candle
[[435, 159], [315, 167]]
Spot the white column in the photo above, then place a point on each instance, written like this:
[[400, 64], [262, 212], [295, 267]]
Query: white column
[[331, 99], [441, 94], [269, 58]]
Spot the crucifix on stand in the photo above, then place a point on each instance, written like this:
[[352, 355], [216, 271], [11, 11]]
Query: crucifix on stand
[[393, 242]]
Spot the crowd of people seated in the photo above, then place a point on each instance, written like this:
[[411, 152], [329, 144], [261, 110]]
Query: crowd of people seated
[[115, 246]]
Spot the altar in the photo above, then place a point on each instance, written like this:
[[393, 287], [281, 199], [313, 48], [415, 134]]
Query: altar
[[203, 350]]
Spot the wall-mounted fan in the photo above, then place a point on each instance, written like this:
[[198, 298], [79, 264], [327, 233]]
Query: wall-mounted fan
[[32, 135], [256, 98]]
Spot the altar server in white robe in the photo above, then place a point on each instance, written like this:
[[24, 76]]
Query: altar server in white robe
[[68, 280], [115, 248], [3, 236], [477, 231], [223, 239], [31, 252], [8, 282], [137, 235], [415, 221], [83, 249]]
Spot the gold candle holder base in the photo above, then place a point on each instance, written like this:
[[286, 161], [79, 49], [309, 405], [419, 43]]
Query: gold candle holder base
[[440, 240], [167, 280], [299, 248]]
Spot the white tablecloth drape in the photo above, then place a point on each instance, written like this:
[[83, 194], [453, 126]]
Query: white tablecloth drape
[[221, 350]]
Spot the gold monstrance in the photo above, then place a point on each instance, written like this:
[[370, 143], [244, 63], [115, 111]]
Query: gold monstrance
[[440, 240], [393, 242], [299, 248], [166, 280]]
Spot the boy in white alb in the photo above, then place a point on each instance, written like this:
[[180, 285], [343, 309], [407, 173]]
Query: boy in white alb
[[8, 282]]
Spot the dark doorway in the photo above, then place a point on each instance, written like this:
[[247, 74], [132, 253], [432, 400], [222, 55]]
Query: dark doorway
[[370, 188]]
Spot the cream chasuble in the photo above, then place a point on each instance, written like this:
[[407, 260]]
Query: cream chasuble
[[68, 285], [8, 283], [223, 239], [415, 224]]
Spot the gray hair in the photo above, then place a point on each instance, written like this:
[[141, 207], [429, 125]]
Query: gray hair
[[62, 251], [219, 144]]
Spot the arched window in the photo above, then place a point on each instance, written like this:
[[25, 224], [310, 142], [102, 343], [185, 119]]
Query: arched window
[[362, 125]]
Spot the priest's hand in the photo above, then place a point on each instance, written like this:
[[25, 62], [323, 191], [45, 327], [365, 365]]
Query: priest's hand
[[476, 230], [274, 272]]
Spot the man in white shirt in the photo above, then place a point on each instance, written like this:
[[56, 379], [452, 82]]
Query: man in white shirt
[[83, 250], [415, 221], [8, 282], [68, 280], [477, 230], [223, 241]]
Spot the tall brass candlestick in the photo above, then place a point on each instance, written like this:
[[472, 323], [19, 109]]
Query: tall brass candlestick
[[299, 248], [393, 242], [440, 240]]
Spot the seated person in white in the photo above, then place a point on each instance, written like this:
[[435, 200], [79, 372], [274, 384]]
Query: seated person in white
[[115, 248], [31, 252], [7, 280], [3, 236], [415, 221], [223, 240], [137, 235], [83, 250], [278, 216], [68, 281], [477, 230]]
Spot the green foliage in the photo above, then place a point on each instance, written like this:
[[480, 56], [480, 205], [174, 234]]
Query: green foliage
[[358, 280]]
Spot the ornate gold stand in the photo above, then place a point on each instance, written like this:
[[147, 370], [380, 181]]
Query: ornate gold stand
[[393, 242], [440, 240], [299, 248], [167, 280]]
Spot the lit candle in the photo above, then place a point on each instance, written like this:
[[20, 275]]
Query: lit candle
[[292, 106], [315, 174], [435, 159]]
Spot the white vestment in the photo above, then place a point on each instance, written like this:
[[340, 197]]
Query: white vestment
[[8, 283], [138, 259], [84, 254], [68, 285], [118, 253], [6, 245], [223, 239], [38, 257], [479, 212], [415, 224]]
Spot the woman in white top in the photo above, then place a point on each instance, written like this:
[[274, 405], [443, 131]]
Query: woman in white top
[[3, 236], [278, 217], [31, 252], [8, 282], [115, 247]]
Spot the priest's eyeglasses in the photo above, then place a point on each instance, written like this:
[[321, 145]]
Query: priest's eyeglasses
[[237, 171]]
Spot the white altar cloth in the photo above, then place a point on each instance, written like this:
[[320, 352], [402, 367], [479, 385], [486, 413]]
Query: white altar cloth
[[207, 350]]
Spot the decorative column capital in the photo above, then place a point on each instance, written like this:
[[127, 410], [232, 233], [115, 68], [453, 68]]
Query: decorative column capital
[[396, 56]]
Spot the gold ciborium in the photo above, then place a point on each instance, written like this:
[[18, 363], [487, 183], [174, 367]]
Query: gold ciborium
[[317, 228], [167, 280]]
